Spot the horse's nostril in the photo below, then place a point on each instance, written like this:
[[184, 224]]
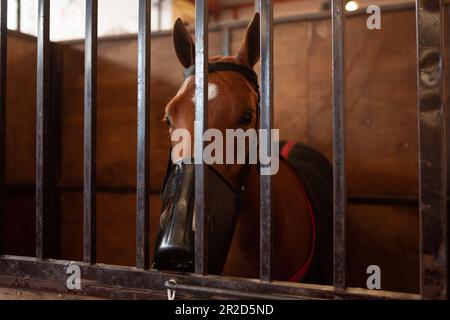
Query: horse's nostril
[[175, 259]]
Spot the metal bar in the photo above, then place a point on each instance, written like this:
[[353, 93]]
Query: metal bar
[[447, 133], [159, 11], [226, 40], [90, 128], [201, 122], [42, 128], [3, 67], [223, 292], [265, 206], [55, 150], [127, 282], [339, 172], [257, 6], [143, 123], [18, 14], [432, 149]]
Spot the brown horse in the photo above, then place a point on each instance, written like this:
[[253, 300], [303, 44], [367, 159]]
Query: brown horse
[[298, 236]]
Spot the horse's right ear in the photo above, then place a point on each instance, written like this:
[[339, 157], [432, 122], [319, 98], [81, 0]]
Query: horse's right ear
[[183, 43]]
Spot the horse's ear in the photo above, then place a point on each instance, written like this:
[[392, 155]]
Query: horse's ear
[[248, 53], [183, 43]]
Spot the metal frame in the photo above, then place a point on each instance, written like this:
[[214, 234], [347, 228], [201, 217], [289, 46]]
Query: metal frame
[[3, 71], [432, 149], [42, 130], [143, 141], [127, 282], [201, 122], [90, 133], [266, 123], [339, 184]]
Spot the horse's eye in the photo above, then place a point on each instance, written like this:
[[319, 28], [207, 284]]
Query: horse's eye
[[246, 119], [167, 120]]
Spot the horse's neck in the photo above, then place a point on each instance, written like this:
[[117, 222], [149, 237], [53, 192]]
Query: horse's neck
[[291, 227]]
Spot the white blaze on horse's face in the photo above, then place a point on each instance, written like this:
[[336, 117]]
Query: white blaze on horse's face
[[213, 92]]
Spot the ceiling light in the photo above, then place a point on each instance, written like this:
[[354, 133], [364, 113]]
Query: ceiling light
[[351, 6]]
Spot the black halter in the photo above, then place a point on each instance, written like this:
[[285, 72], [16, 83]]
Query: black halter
[[247, 72]]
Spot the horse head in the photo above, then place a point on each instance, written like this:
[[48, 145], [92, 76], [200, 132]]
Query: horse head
[[233, 102]]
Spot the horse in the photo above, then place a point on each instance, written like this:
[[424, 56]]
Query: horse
[[302, 187]]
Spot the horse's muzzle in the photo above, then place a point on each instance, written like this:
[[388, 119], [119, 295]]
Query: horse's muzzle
[[175, 244]]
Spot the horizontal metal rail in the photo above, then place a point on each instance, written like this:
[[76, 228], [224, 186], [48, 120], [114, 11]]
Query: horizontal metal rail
[[114, 281], [111, 281]]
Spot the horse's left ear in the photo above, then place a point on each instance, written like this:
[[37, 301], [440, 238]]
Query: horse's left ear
[[248, 53]]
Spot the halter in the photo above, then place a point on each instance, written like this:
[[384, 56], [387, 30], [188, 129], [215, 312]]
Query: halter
[[247, 72]]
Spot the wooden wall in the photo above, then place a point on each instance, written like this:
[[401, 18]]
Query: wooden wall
[[18, 225], [382, 132]]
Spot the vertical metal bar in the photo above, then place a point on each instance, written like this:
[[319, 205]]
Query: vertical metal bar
[[257, 6], [159, 10], [90, 119], [339, 143], [447, 132], [3, 66], [265, 208], [201, 122], [18, 14], [42, 128], [432, 149], [143, 152], [55, 119], [226, 34]]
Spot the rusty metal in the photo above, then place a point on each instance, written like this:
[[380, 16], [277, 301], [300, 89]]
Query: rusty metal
[[3, 66], [143, 140], [172, 285], [90, 136], [128, 282], [432, 149], [42, 129], [266, 108], [201, 122], [339, 172]]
